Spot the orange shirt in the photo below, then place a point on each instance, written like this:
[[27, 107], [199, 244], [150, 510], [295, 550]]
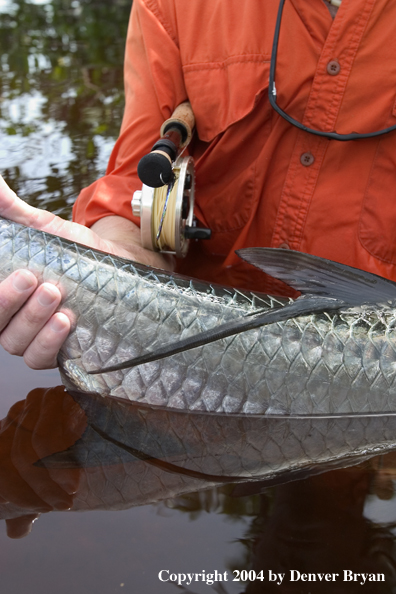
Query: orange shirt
[[254, 188]]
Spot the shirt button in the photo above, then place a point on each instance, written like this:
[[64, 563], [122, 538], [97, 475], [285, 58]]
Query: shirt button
[[284, 246], [333, 67], [307, 159]]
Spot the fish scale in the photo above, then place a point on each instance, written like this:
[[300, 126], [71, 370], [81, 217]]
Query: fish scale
[[320, 362]]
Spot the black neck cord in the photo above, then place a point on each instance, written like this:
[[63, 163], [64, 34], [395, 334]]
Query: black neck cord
[[272, 98]]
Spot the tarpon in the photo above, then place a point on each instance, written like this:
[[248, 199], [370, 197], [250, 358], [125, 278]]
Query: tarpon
[[163, 339]]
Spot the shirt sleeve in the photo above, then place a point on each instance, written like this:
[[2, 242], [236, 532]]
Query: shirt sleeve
[[154, 86]]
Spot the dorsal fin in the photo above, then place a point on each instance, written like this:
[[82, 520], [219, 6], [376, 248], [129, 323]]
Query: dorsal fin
[[312, 275]]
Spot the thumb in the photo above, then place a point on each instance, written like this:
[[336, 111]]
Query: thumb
[[19, 211]]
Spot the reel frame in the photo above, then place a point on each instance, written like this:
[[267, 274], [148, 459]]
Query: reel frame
[[143, 206]]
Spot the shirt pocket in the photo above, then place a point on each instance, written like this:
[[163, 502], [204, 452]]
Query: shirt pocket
[[377, 226], [222, 93], [233, 119]]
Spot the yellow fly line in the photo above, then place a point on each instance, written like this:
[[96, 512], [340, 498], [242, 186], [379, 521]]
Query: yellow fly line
[[166, 239]]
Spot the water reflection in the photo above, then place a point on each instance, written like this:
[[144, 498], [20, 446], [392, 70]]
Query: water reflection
[[62, 97], [301, 532], [82, 453]]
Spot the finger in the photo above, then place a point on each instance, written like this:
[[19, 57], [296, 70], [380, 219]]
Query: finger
[[15, 290], [15, 209], [43, 350], [20, 527], [26, 324]]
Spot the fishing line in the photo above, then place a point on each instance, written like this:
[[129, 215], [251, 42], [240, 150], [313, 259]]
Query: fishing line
[[164, 214]]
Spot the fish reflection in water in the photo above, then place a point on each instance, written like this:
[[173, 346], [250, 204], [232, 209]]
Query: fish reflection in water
[[83, 453]]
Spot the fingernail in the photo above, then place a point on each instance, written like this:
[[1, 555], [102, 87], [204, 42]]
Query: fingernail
[[46, 295], [57, 324], [23, 280]]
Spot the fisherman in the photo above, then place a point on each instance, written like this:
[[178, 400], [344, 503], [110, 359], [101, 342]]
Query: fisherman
[[262, 178]]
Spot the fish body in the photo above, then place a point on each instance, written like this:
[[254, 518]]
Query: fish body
[[331, 351]]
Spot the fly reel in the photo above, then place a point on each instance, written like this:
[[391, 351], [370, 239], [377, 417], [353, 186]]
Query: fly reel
[[167, 213], [165, 204]]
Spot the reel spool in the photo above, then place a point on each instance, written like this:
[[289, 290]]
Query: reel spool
[[167, 213], [165, 204]]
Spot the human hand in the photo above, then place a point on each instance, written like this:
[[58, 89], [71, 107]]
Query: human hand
[[48, 421], [30, 325]]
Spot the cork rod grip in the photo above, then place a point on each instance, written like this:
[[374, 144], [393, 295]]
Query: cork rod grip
[[184, 116]]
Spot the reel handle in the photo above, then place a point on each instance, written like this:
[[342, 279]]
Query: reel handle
[[155, 169], [197, 232]]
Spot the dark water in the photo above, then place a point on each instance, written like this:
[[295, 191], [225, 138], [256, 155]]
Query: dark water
[[62, 95], [111, 515]]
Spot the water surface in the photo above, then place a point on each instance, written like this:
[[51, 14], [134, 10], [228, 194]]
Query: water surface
[[109, 520]]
